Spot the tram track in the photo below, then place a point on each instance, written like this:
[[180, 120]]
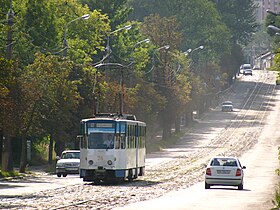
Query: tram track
[[181, 172], [228, 141]]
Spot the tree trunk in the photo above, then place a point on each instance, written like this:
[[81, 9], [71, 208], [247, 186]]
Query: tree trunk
[[166, 132], [50, 150], [178, 124], [23, 156], [7, 158]]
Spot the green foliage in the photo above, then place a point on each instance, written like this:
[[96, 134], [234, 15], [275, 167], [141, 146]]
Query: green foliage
[[239, 16], [56, 96], [4, 174], [276, 200], [117, 10], [199, 21]]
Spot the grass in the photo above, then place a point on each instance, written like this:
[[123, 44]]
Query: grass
[[4, 174]]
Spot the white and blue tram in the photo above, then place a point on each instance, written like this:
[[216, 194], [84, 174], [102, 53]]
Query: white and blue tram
[[112, 148]]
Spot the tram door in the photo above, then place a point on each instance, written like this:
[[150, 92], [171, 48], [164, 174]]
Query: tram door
[[137, 147]]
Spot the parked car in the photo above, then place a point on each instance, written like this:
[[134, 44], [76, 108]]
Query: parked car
[[224, 171], [227, 106], [68, 163], [244, 67]]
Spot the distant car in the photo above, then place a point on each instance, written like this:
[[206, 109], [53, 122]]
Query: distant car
[[224, 171], [248, 72], [68, 163], [244, 67], [227, 106]]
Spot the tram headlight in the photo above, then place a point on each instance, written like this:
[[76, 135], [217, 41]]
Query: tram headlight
[[109, 162], [90, 162]]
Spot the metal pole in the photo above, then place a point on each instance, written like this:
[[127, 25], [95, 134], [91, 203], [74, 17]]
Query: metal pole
[[10, 32]]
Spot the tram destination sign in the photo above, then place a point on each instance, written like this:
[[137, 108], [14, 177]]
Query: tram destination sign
[[101, 125]]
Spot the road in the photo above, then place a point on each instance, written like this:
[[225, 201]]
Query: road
[[35, 183], [174, 176], [260, 178]]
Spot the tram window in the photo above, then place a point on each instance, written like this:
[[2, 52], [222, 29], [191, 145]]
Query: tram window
[[118, 141], [122, 141], [83, 143]]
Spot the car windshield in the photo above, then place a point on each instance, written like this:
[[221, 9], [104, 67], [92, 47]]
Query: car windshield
[[224, 162], [70, 155], [227, 103], [248, 66]]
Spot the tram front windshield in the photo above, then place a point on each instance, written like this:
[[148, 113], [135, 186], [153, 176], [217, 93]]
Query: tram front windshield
[[101, 141]]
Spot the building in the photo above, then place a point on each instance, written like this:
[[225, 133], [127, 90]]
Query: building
[[263, 5]]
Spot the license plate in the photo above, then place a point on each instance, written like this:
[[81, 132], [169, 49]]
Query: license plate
[[223, 171]]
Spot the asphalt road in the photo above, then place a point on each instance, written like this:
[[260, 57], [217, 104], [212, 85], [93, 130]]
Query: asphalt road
[[40, 181], [259, 183]]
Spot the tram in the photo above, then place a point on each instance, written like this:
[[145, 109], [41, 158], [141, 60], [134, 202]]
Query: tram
[[112, 148]]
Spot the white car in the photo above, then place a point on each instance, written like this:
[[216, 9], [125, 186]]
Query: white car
[[227, 106], [68, 163], [224, 171], [248, 72]]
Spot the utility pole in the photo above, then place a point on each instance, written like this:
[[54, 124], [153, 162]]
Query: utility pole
[[7, 159], [10, 31]]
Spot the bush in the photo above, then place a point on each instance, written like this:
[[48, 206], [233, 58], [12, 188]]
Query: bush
[[278, 79]]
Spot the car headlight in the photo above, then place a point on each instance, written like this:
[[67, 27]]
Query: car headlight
[[90, 162], [109, 162], [60, 165]]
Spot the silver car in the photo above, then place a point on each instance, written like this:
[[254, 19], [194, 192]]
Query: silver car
[[227, 106], [224, 171], [68, 163]]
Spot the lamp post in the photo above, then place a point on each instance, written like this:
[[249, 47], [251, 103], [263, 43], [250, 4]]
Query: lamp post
[[140, 42], [166, 47], [187, 52], [65, 43], [201, 47], [10, 33], [108, 49], [272, 13], [274, 28], [192, 51]]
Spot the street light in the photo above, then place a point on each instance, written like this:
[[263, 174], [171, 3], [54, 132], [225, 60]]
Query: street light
[[187, 52], [65, 43], [274, 28], [166, 47], [272, 13], [200, 47], [108, 49], [140, 42], [191, 52]]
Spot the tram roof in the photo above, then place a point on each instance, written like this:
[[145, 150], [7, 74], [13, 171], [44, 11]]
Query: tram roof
[[115, 117]]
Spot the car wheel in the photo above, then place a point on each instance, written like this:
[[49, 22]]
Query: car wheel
[[207, 186], [58, 175], [240, 187], [64, 175]]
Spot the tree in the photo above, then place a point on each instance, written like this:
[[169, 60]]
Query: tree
[[117, 11], [174, 89], [58, 97], [7, 122], [239, 16]]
